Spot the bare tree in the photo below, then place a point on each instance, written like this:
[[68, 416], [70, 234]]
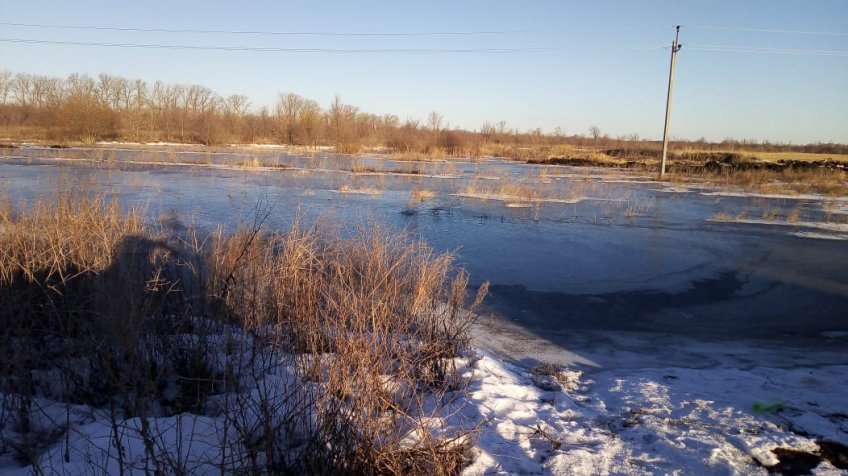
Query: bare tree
[[55, 92], [171, 98], [336, 117], [235, 109], [341, 119], [134, 98], [83, 115], [236, 105], [487, 130], [106, 91], [434, 121], [40, 90], [596, 133], [289, 109], [198, 103], [204, 106], [310, 121], [6, 78], [559, 132], [22, 88], [118, 85], [368, 127], [81, 85], [501, 131], [536, 135], [47, 91], [260, 125]]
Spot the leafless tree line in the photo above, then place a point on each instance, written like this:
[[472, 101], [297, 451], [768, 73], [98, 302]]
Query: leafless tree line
[[82, 108]]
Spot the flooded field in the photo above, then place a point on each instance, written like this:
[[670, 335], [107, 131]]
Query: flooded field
[[599, 266]]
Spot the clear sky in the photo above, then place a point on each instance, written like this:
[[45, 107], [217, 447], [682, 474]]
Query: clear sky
[[608, 68]]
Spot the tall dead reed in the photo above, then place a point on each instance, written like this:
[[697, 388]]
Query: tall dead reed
[[317, 353]]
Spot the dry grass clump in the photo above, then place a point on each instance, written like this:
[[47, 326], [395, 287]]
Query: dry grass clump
[[520, 191], [371, 318], [794, 216], [770, 214], [82, 283], [722, 216], [792, 181], [317, 354], [831, 207], [250, 163], [57, 235], [538, 152], [414, 169], [256, 162], [821, 181], [357, 167], [638, 207], [798, 156], [416, 197], [421, 195], [415, 156], [348, 188], [7, 211], [554, 377]]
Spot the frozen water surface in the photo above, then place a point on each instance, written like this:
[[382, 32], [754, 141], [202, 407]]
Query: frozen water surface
[[574, 255]]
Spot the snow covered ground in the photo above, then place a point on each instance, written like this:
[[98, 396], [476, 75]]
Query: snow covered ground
[[559, 420], [584, 418], [653, 421]]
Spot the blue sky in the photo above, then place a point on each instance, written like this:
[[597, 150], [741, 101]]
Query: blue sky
[[610, 71]]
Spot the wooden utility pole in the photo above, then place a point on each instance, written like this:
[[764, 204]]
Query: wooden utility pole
[[675, 47]]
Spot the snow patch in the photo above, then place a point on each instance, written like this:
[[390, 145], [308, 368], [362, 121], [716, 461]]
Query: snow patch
[[653, 421], [800, 196], [819, 236], [515, 201], [840, 230]]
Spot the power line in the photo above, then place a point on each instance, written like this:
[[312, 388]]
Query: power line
[[392, 33], [280, 33], [264, 49], [757, 49], [304, 33], [767, 30]]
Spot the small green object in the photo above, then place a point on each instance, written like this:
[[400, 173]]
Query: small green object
[[766, 407]]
